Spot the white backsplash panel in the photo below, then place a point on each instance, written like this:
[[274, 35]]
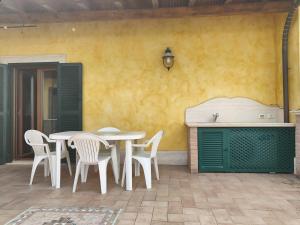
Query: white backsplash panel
[[233, 110]]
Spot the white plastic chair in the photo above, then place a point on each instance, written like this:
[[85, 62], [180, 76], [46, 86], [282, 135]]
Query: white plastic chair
[[114, 153], [88, 147], [145, 158], [36, 140]]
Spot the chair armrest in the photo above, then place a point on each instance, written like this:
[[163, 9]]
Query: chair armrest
[[48, 139], [72, 146], [33, 144], [110, 146], [143, 145], [140, 145]]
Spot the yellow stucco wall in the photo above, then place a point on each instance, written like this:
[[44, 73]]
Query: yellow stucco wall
[[125, 84]]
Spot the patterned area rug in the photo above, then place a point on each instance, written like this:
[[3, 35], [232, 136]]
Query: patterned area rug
[[67, 216]]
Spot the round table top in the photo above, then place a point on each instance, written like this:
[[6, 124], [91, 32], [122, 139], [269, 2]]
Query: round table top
[[108, 136]]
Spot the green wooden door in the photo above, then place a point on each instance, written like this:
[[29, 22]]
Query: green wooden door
[[5, 115], [213, 149], [69, 92]]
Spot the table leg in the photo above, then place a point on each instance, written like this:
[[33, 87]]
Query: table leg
[[128, 159], [59, 145]]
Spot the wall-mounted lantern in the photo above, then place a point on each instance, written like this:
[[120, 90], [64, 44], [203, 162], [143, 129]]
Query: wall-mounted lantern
[[168, 58]]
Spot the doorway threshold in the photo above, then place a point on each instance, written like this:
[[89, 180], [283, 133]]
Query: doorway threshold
[[21, 162]]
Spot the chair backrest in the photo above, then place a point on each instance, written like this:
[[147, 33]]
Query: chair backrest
[[109, 129], [35, 139], [154, 141], [87, 146]]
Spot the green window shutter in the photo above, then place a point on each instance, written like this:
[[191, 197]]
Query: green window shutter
[[211, 144], [69, 92], [5, 120]]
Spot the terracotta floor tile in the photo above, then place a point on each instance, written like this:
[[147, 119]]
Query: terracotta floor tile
[[273, 221], [155, 203], [165, 223], [207, 220], [175, 207], [125, 222], [143, 218], [190, 218], [222, 216], [128, 216], [175, 218], [160, 214], [247, 220], [145, 209], [192, 223]]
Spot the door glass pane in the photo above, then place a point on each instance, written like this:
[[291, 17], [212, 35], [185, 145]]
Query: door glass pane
[[27, 107], [49, 92]]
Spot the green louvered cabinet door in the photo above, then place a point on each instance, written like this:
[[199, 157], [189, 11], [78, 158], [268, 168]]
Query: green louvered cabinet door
[[5, 115], [213, 150]]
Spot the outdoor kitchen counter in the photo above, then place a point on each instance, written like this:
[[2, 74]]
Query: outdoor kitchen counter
[[220, 124], [241, 147]]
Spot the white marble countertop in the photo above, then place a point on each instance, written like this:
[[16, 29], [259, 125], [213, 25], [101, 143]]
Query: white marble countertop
[[221, 124], [296, 112]]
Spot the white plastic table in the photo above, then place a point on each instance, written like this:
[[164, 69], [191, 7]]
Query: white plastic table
[[128, 137]]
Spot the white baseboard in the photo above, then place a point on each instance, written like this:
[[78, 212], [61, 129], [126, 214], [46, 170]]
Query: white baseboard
[[172, 157], [168, 157], [21, 162]]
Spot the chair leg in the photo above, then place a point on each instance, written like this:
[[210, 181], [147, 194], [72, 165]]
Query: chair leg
[[69, 162], [102, 175], [156, 167], [46, 167], [118, 157], [52, 168], [82, 173], [77, 157], [78, 169], [137, 167], [86, 171], [114, 160], [123, 175], [146, 164], [118, 153], [36, 162]]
